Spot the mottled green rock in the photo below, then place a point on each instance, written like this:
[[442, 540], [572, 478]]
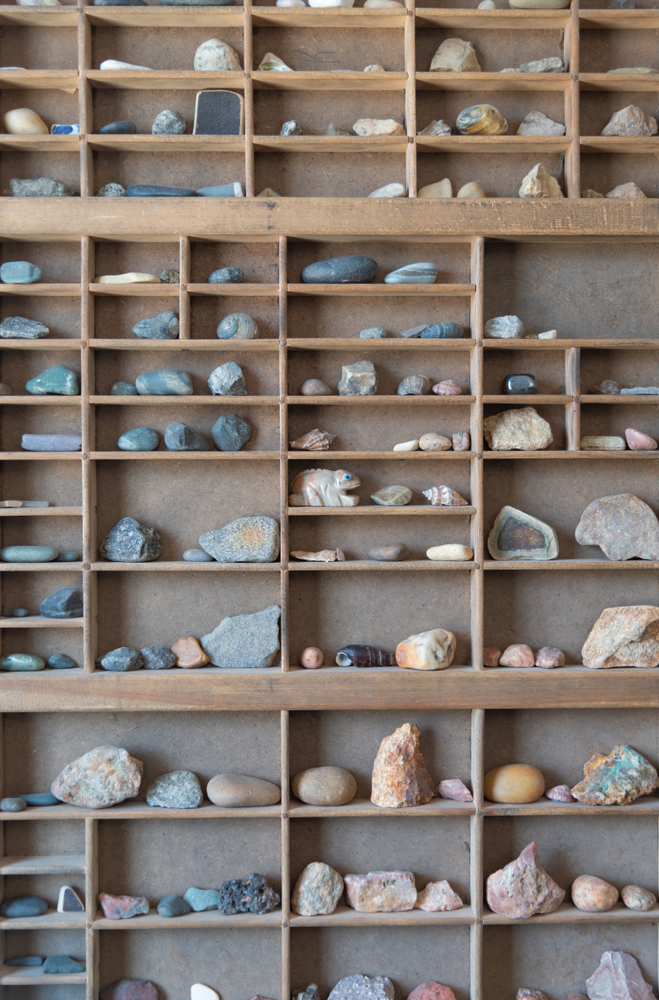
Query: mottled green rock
[[123, 389], [202, 899], [62, 965], [58, 380], [19, 328], [28, 553], [139, 439], [164, 326], [615, 779], [164, 382], [58, 661], [22, 661]]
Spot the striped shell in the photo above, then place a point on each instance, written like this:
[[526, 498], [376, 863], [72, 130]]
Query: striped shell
[[314, 440], [444, 496], [481, 119], [414, 385], [447, 388], [364, 656]]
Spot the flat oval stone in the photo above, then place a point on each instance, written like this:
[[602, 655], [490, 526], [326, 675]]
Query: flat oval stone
[[157, 658], [58, 380], [24, 906], [164, 382], [443, 331], [197, 555], [434, 442], [116, 128], [123, 389], [173, 906], [593, 894], [238, 791], [352, 269], [226, 276], [412, 274], [233, 189], [451, 552], [41, 799], [19, 328], [19, 272], [180, 437], [58, 661], [164, 326], [230, 432], [237, 326], [139, 439], [200, 900], [12, 805], [16, 613], [389, 553], [216, 56], [392, 496], [514, 783], [520, 385], [158, 191], [28, 553], [324, 786], [67, 557], [18, 662]]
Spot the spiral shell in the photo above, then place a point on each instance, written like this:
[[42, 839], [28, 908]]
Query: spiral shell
[[481, 119], [414, 385], [364, 656], [315, 440], [444, 496]]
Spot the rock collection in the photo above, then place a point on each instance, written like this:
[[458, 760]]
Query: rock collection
[[248, 895]]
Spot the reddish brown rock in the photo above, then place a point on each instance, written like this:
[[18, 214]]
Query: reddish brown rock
[[618, 976], [593, 894], [431, 991], [523, 888], [615, 779], [454, 788], [623, 526], [400, 777], [438, 897], [491, 656], [638, 441], [550, 656], [123, 907], [623, 637], [381, 892], [517, 655], [189, 653], [101, 778]]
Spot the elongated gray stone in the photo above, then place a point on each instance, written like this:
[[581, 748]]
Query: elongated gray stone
[[442, 331], [412, 274], [64, 603], [39, 187], [28, 553], [180, 437], [23, 906], [58, 380], [51, 442], [227, 380], [130, 541], [158, 191], [164, 382], [244, 642], [248, 539], [19, 272], [230, 432], [226, 276], [164, 326], [139, 439], [116, 128], [232, 190], [237, 326], [121, 660], [352, 269], [19, 328]]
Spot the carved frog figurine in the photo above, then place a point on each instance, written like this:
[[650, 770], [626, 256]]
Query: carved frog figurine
[[323, 488]]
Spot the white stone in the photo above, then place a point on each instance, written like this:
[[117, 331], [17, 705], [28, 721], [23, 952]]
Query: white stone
[[539, 184], [38, 3], [200, 992], [23, 121], [603, 442], [536, 123], [291, 3], [407, 445], [487, 5], [455, 55], [451, 552], [471, 190], [504, 327], [440, 189], [633, 69], [118, 64], [389, 191], [375, 67], [215, 56], [268, 193], [331, 3], [553, 64], [378, 126], [629, 190], [548, 335], [65, 891], [383, 3], [130, 278]]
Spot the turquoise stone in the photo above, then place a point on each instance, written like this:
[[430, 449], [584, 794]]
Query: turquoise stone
[[173, 906], [62, 965], [68, 557], [123, 389], [373, 333], [24, 906], [164, 382], [41, 799], [19, 272], [237, 326], [202, 899], [58, 380], [58, 661], [232, 190], [28, 553], [139, 439], [22, 661], [164, 326], [158, 191]]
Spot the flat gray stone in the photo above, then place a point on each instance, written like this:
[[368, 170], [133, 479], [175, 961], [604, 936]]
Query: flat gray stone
[[244, 642], [39, 187], [51, 442], [19, 328], [247, 539], [64, 603]]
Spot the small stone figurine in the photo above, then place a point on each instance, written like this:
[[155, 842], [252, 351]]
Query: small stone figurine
[[323, 488]]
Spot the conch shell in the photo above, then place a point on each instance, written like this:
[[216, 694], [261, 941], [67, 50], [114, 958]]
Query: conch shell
[[314, 440], [444, 496], [364, 656], [325, 555], [481, 119], [414, 385]]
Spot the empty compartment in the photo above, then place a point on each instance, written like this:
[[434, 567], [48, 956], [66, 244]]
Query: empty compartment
[[40, 47], [58, 482]]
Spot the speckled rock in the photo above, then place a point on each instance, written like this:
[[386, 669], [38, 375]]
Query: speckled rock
[[454, 788], [518, 654], [438, 897], [618, 976], [358, 379], [247, 895], [431, 991], [549, 657], [400, 777], [168, 123], [112, 190], [226, 275], [200, 900], [58, 380], [120, 660], [630, 122], [237, 326], [324, 786], [517, 430], [164, 326], [215, 56], [170, 276], [593, 894], [363, 988], [244, 642], [176, 790], [615, 779], [623, 526], [227, 380], [181, 437], [516, 535], [40, 187], [240, 791], [623, 637], [122, 907], [130, 541], [247, 539], [102, 777], [64, 603], [157, 658], [635, 897], [317, 890], [381, 892], [129, 989], [523, 888]]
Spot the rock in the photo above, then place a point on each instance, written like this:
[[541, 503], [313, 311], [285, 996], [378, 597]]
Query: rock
[[121, 659], [247, 895], [69, 901], [412, 274], [617, 778], [455, 789], [378, 126], [242, 791], [606, 388], [550, 656], [112, 191], [650, 390], [444, 496], [352, 269], [245, 642], [168, 123], [169, 276], [589, 193], [317, 890], [324, 555], [414, 331], [200, 900], [158, 191], [176, 790], [196, 555], [180, 437], [310, 993], [19, 272], [516, 535], [20, 662], [361, 988], [164, 326], [12, 805], [62, 965], [389, 553], [636, 898], [392, 496], [315, 387], [231, 432], [451, 552], [400, 777], [432, 991], [560, 793], [333, 129], [517, 655], [139, 439], [629, 122], [164, 382], [311, 658], [526, 994], [129, 989], [407, 445], [523, 888], [553, 64], [40, 187], [273, 64], [437, 897], [28, 553], [189, 653], [237, 326], [637, 441], [200, 992], [539, 184], [520, 385], [623, 526], [103, 777], [444, 331], [65, 603], [130, 541], [122, 127], [157, 658], [248, 539], [226, 276], [593, 894], [517, 430], [23, 906], [623, 637], [173, 906], [290, 128], [19, 328], [216, 56], [381, 892], [41, 799], [58, 380], [504, 327], [471, 190], [629, 190], [358, 379], [618, 975], [440, 189], [604, 442], [67, 557], [481, 119], [227, 380], [536, 123], [233, 189], [455, 55], [434, 442], [324, 786], [514, 783], [461, 441], [23, 121], [123, 389]]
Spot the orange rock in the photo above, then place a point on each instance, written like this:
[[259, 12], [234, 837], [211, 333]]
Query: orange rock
[[517, 655], [400, 777], [491, 656], [311, 658], [189, 653]]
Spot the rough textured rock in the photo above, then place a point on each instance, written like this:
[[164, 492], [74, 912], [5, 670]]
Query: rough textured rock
[[237, 326], [64, 603], [461, 441], [455, 55], [215, 55], [122, 907], [157, 658], [230, 432], [514, 783], [517, 430], [536, 123], [433, 650], [629, 190], [550, 656], [630, 121], [58, 380], [517, 655], [618, 977], [491, 656], [454, 788], [120, 660], [622, 525], [431, 991], [19, 328], [129, 989], [381, 892], [247, 895], [176, 790], [168, 122], [164, 326], [623, 637], [593, 894], [317, 890], [244, 642], [434, 442], [39, 187], [362, 988], [239, 791], [358, 379], [227, 380], [324, 786], [248, 539], [130, 541], [392, 496], [438, 897], [635, 897], [103, 777], [400, 777], [181, 437], [539, 184], [615, 779], [516, 535], [523, 887]]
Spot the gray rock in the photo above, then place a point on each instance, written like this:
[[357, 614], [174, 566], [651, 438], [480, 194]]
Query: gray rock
[[176, 790], [248, 539], [112, 190], [352, 269], [39, 187], [226, 276], [19, 328], [164, 326], [290, 128], [12, 805], [170, 276], [64, 603], [139, 439], [58, 661], [227, 380], [51, 442], [123, 389], [373, 333], [122, 127], [196, 555], [180, 437], [120, 660], [245, 642], [333, 129], [23, 906], [164, 382], [441, 331], [231, 432], [19, 272], [168, 123], [157, 658], [553, 64], [358, 379], [413, 331], [237, 326], [363, 988], [130, 541], [67, 557]]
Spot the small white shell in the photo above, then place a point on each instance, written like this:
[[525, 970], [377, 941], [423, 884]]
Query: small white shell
[[444, 496]]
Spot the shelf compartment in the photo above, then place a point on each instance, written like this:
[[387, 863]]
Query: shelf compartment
[[569, 914], [39, 79], [39, 290], [345, 916], [356, 565], [432, 400], [41, 511], [569, 564]]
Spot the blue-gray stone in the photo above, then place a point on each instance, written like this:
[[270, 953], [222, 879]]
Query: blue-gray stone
[[139, 439], [23, 906], [113, 190], [21, 662], [441, 331], [41, 799], [412, 274], [116, 128], [64, 603], [353, 269], [520, 385], [123, 389], [16, 613], [176, 790], [227, 380], [164, 382], [231, 432], [58, 380], [51, 442], [158, 191], [67, 557], [237, 326], [202, 899], [226, 276], [197, 555], [19, 272], [28, 553], [39, 187], [120, 660], [62, 965], [157, 658], [232, 190], [180, 437], [130, 541], [168, 122], [58, 661], [373, 333], [244, 642], [413, 331], [247, 539], [25, 960], [173, 906], [12, 805], [19, 328], [164, 326], [648, 390]]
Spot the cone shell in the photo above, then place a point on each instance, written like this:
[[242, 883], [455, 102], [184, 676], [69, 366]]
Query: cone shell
[[481, 119], [414, 385], [444, 496], [314, 440]]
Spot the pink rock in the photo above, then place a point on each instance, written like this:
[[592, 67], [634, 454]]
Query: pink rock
[[560, 793], [438, 897], [577, 996], [637, 441], [129, 989], [454, 788], [517, 655], [381, 892], [447, 388], [523, 887], [491, 656], [550, 656], [122, 907], [461, 441], [631, 121], [618, 977], [103, 777], [629, 190], [431, 991]]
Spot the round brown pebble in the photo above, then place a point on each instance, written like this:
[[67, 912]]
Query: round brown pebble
[[635, 897], [491, 656], [514, 783], [235, 791], [517, 655], [311, 658], [593, 894], [550, 656], [324, 786], [189, 653]]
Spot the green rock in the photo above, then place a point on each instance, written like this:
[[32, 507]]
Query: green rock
[[58, 380], [202, 899], [19, 272], [139, 439], [164, 382], [58, 661], [173, 906], [28, 553], [68, 557], [61, 965], [22, 661], [123, 389]]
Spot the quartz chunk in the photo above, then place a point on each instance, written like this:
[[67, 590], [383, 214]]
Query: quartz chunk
[[536, 123], [455, 55], [103, 777], [618, 977], [629, 122], [381, 892], [517, 430], [623, 637], [438, 897]]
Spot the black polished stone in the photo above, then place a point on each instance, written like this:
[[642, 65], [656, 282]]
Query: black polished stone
[[520, 385]]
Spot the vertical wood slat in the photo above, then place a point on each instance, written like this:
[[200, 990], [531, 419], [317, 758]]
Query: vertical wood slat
[[285, 861], [248, 49], [2, 830], [88, 467], [85, 105], [572, 409], [573, 157], [476, 856], [283, 447], [184, 295], [92, 949], [476, 464], [410, 100]]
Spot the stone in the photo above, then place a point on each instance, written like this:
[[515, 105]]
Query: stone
[[310, 993], [105, 776], [412, 274], [15, 613], [381, 892], [394, 190], [634, 69], [395, 552], [123, 389], [623, 637], [439, 189], [650, 390], [443, 331], [237, 326], [226, 276], [618, 975], [333, 129], [392, 496], [517, 655], [158, 191], [21, 662], [19, 328], [25, 960], [247, 895], [139, 439], [593, 894], [455, 789], [549, 657], [536, 123], [40, 187], [244, 642], [173, 906], [324, 786], [120, 127], [637, 441], [378, 126], [23, 906], [516, 535], [197, 555], [634, 897], [231, 432], [444, 496], [603, 443], [28, 553], [19, 272], [629, 122], [407, 445], [164, 382], [180, 437], [437, 897], [247, 539], [242, 791], [200, 992], [317, 890], [358, 379], [461, 441], [315, 387], [324, 555], [360, 987], [64, 603], [553, 64], [617, 778], [67, 557], [413, 385], [520, 385], [450, 552], [157, 658], [58, 380], [560, 793], [455, 55], [290, 128], [352, 269], [434, 442], [200, 900], [539, 184], [629, 190], [268, 193], [12, 805], [227, 380], [527, 994], [273, 64], [164, 326], [517, 430], [168, 123], [112, 190], [189, 653], [41, 799], [414, 331], [622, 525], [523, 888], [62, 965], [514, 783], [606, 388], [216, 56], [23, 121], [432, 991], [589, 193], [311, 658], [504, 327], [69, 901], [400, 777], [169, 276], [121, 660], [130, 541], [129, 989], [176, 790]]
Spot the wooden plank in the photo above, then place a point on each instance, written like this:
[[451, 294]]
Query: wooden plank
[[36, 621], [11, 975], [344, 916], [417, 291], [314, 80], [55, 864], [59, 289], [164, 79], [493, 82]]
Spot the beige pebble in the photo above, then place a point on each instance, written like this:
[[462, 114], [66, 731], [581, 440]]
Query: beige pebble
[[491, 656], [539, 184], [315, 387], [433, 650], [539, 4], [593, 894], [235, 791], [472, 189], [514, 783], [440, 189], [22, 121], [324, 786], [434, 442], [130, 278], [635, 897], [603, 443], [378, 126], [450, 553], [407, 445], [311, 658], [517, 655], [628, 190]]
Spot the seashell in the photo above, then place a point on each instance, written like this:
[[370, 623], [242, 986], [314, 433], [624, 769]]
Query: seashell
[[325, 555], [436, 127], [414, 385], [271, 62], [364, 656], [447, 388], [314, 440], [481, 119], [444, 496]]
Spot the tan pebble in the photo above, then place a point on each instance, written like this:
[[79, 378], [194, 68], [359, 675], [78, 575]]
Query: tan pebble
[[471, 190], [549, 656], [450, 553], [433, 650], [434, 442], [23, 121], [438, 897], [514, 783], [324, 786], [491, 656], [636, 898], [517, 655], [315, 387], [440, 189], [311, 658], [447, 388], [593, 894], [407, 445], [130, 278], [189, 653], [461, 441], [637, 441], [238, 791], [325, 555], [455, 55], [603, 442], [378, 126]]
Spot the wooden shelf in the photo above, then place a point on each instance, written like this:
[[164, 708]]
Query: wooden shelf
[[407, 511], [41, 511], [329, 81], [344, 916], [52, 920], [362, 808], [491, 82], [418, 291], [397, 456], [12, 975], [358, 566], [388, 401], [164, 79], [36, 621], [59, 289], [206, 920], [61, 864]]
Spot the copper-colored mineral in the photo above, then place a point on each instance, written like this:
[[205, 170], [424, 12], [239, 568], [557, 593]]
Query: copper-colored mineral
[[623, 637], [523, 888], [616, 779], [400, 778]]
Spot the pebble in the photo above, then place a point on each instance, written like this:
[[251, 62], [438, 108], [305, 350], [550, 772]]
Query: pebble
[[13, 805], [290, 128], [169, 277], [227, 380], [241, 791], [124, 389], [514, 783], [606, 388], [25, 960], [333, 129], [437, 897], [593, 894], [412, 274], [521, 385], [245, 642], [130, 541], [373, 333], [189, 653], [19, 272], [197, 555], [168, 123], [40, 187], [517, 430], [352, 269], [216, 56], [176, 790], [41, 799], [618, 975], [389, 191], [560, 793], [173, 906], [553, 64], [324, 786], [157, 658], [58, 661], [432, 650], [200, 992], [237, 326], [623, 526], [103, 777], [17, 327], [451, 552], [434, 442], [245, 540], [164, 326], [392, 496], [433, 991], [226, 276], [381, 892], [629, 190], [16, 613], [630, 122], [378, 126], [64, 603], [447, 388], [455, 789], [121, 660], [439, 189], [389, 553], [129, 989], [539, 184], [62, 965], [315, 387], [536, 123], [317, 890], [491, 656], [23, 121], [129, 278], [247, 895], [617, 778], [28, 553], [504, 327], [650, 390], [623, 637], [442, 331], [200, 900], [361, 988], [517, 655], [69, 901], [407, 445], [112, 64], [139, 439], [23, 906], [20, 662], [58, 380], [112, 190], [603, 443], [400, 777], [273, 64], [637, 441], [550, 656], [358, 379], [633, 896], [120, 127], [181, 437], [164, 382], [471, 190], [158, 191], [67, 557], [311, 658], [523, 888]]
